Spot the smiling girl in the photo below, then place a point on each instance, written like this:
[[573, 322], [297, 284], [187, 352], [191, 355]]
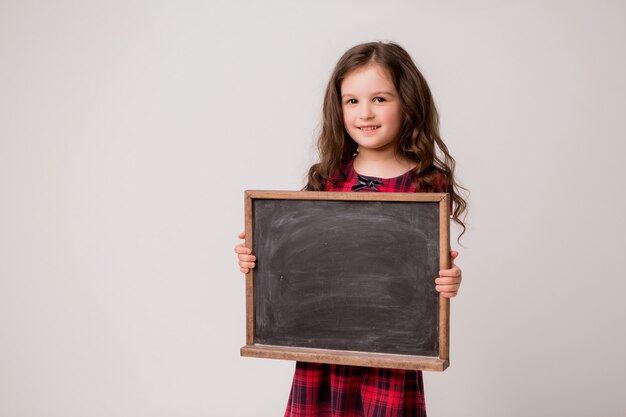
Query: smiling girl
[[380, 133]]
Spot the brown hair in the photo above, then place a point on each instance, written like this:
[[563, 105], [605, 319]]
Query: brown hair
[[419, 139]]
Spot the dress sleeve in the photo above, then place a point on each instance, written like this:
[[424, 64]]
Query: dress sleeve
[[443, 186], [441, 183]]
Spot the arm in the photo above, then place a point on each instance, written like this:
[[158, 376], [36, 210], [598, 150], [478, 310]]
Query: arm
[[245, 256], [449, 280]]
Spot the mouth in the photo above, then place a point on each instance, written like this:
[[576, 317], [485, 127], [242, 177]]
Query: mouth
[[367, 128]]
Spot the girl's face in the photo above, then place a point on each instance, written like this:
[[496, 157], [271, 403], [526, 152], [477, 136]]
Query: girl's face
[[372, 114]]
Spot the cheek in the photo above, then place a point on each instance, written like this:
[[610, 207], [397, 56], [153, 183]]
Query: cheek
[[394, 117], [346, 117]]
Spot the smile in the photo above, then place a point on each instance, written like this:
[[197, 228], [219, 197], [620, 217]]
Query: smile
[[368, 128]]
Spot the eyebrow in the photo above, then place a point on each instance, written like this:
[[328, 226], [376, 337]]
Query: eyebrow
[[376, 93]]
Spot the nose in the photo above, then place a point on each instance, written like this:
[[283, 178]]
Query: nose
[[366, 110]]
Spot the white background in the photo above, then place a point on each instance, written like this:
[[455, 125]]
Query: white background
[[130, 129]]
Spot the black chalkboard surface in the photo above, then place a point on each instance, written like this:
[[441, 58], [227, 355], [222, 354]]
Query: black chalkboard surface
[[348, 278]]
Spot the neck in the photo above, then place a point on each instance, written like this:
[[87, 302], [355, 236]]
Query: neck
[[381, 163]]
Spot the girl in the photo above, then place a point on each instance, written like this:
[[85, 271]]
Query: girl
[[379, 134]]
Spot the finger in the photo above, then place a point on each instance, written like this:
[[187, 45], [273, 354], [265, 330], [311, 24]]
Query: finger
[[447, 288], [448, 281], [246, 258], [242, 249], [246, 264], [454, 254], [242, 235], [244, 270], [448, 294], [452, 272]]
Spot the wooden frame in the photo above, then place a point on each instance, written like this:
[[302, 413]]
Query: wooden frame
[[373, 359]]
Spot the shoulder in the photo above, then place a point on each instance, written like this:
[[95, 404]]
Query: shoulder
[[432, 180], [341, 179], [441, 183]]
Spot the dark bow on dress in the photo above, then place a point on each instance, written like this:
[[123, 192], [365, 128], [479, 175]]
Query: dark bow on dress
[[365, 182]]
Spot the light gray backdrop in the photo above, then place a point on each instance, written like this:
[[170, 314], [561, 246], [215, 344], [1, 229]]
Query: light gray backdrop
[[129, 131]]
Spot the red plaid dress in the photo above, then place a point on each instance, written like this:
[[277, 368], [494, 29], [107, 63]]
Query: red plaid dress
[[321, 390]]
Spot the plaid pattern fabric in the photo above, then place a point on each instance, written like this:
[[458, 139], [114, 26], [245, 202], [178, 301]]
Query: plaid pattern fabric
[[321, 390], [347, 179]]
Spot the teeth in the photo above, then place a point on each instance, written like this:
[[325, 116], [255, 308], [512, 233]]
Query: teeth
[[368, 128]]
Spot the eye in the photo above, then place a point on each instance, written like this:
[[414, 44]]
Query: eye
[[379, 99], [351, 101]]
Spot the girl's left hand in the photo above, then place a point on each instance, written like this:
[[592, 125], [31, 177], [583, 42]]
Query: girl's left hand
[[449, 280]]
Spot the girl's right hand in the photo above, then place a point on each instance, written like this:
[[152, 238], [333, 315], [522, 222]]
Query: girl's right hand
[[245, 256]]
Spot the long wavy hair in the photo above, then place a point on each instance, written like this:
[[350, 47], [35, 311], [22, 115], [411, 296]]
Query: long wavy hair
[[419, 140]]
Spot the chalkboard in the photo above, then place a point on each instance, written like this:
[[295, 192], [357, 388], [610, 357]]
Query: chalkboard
[[348, 278]]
